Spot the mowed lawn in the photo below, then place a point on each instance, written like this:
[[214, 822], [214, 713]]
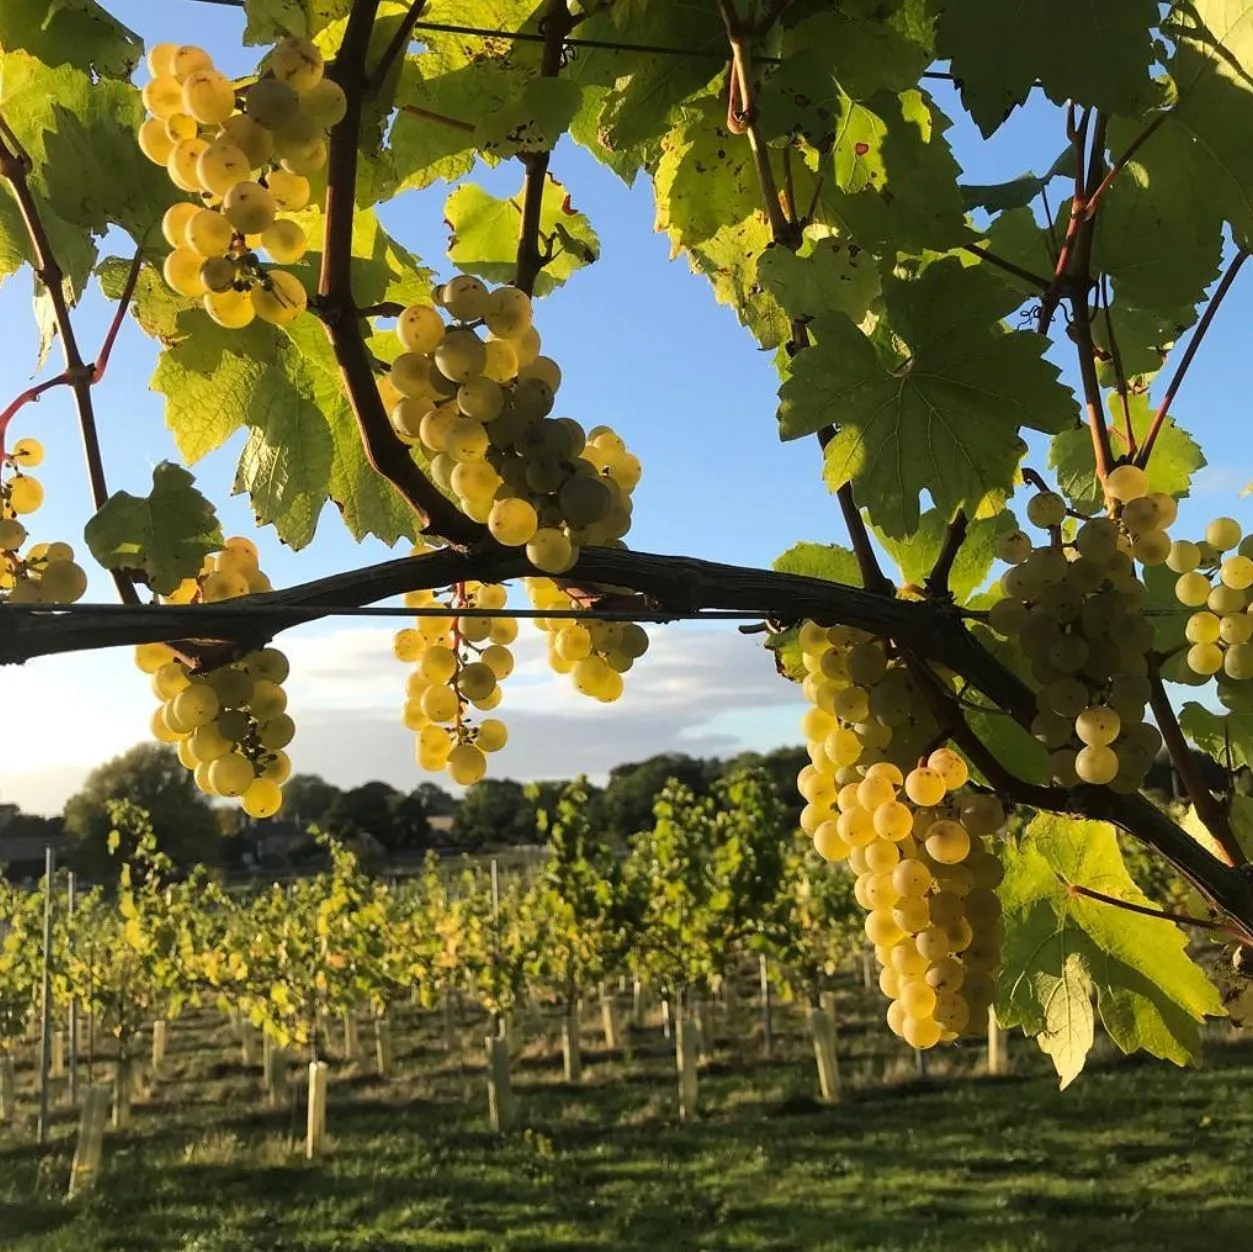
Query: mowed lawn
[[1136, 1155]]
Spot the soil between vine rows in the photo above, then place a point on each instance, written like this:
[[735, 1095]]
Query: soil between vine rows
[[1136, 1155]]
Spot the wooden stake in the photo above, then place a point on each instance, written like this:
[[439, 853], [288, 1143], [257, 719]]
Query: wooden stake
[[767, 1032], [315, 1127], [571, 1044], [352, 1040], [998, 1061], [822, 1027], [158, 1047], [500, 1104], [122, 1084], [45, 1001], [685, 1055], [8, 1091], [90, 1149], [383, 1044]]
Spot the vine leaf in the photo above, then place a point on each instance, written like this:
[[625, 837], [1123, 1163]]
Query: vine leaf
[[1211, 74], [484, 238], [164, 535], [532, 119], [915, 554], [1015, 193], [827, 274], [271, 20], [1212, 732], [944, 419], [1063, 951], [75, 32], [810, 560], [1090, 51], [1176, 455]]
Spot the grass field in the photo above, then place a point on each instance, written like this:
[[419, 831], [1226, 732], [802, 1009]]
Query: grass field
[[1135, 1156]]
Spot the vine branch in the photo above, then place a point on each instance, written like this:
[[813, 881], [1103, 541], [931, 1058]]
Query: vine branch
[[396, 48], [1208, 807], [339, 314], [937, 581], [557, 25], [15, 166], [1172, 388]]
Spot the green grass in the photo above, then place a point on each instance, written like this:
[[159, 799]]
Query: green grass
[[1136, 1155]]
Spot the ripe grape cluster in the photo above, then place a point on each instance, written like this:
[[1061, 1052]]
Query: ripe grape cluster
[[1077, 608], [230, 724], [1216, 581], [865, 707], [928, 882], [44, 573], [459, 663], [480, 410], [593, 652], [246, 155]]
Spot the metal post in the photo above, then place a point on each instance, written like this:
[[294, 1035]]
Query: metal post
[[45, 1011], [71, 899]]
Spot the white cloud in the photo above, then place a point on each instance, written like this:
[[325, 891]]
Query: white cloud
[[702, 689]]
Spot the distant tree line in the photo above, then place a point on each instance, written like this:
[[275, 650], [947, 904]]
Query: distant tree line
[[494, 813]]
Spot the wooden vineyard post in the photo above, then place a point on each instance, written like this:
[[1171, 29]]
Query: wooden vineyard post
[[315, 1127], [248, 1043], [705, 1025], [867, 970], [90, 1149], [273, 1072], [767, 1025], [71, 902], [571, 1046], [822, 1028], [383, 1044], [685, 1049], [159, 1033], [45, 1002], [8, 1090], [500, 1104], [56, 1062], [352, 1039], [609, 1020], [450, 1035], [667, 1014], [998, 1062], [122, 1091], [639, 1001]]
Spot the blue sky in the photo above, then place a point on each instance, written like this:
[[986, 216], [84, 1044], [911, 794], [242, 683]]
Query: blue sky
[[644, 348]]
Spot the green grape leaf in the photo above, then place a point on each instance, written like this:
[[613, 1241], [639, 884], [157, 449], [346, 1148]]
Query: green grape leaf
[[1160, 237], [153, 305], [484, 238], [827, 274], [895, 180], [425, 148], [272, 20], [1016, 193], [831, 60], [998, 51], [1220, 733], [644, 91], [1211, 70], [945, 418], [828, 561], [709, 205], [532, 119], [1176, 456], [915, 554], [1063, 951], [164, 535], [74, 32], [1016, 236]]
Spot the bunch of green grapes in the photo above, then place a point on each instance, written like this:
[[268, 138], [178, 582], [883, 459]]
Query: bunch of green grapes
[[45, 573], [246, 156], [594, 653], [928, 883], [1077, 608], [1216, 580], [865, 708], [480, 410], [230, 724], [459, 663]]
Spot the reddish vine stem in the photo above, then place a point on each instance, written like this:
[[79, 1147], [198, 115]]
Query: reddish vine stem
[[339, 314], [557, 25], [1172, 389], [1180, 919], [15, 167], [1208, 807], [1094, 200]]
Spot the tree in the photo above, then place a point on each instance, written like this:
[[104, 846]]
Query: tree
[[150, 778], [309, 798], [916, 320], [494, 813], [632, 790]]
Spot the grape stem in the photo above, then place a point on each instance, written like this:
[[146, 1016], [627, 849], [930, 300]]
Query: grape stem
[[443, 119], [1172, 389], [1208, 807], [1181, 919], [15, 166], [337, 310], [556, 24]]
